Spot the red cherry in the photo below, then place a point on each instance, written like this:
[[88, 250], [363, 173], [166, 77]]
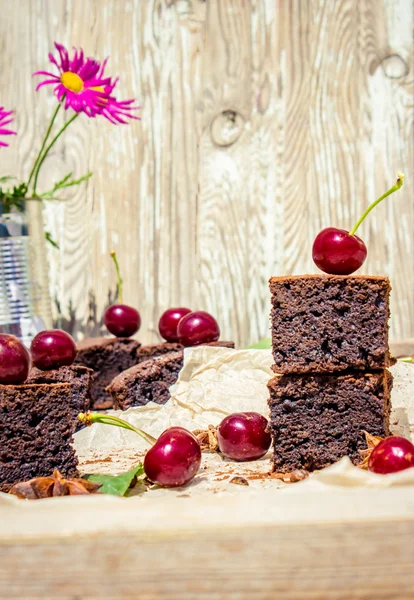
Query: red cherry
[[122, 320], [391, 455], [337, 252], [52, 349], [174, 459], [168, 323], [198, 328], [243, 436], [15, 361]]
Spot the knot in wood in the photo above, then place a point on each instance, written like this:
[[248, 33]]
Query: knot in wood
[[394, 66], [227, 127]]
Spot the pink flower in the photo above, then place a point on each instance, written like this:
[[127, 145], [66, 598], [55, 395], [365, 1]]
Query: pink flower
[[84, 87], [5, 119], [116, 110]]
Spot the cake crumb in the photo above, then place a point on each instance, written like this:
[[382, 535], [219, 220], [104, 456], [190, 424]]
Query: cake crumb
[[239, 481]]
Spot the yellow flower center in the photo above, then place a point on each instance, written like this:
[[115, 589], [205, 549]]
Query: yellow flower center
[[72, 82], [100, 101]]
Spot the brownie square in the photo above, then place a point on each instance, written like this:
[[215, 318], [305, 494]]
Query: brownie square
[[80, 378], [330, 323], [146, 382], [317, 419], [36, 428], [107, 357]]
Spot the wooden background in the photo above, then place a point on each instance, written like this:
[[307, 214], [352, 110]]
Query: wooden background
[[262, 122]]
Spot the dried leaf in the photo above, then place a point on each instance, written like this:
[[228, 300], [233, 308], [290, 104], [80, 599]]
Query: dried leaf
[[207, 438], [371, 441], [56, 485]]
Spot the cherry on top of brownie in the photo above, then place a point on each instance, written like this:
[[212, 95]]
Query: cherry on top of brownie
[[328, 323]]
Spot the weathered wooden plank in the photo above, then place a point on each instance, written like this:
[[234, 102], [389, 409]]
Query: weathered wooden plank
[[223, 200], [370, 560], [266, 209]]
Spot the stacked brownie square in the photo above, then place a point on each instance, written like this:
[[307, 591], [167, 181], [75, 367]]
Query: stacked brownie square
[[330, 347]]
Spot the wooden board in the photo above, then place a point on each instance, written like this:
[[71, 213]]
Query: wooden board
[[260, 547], [262, 122]]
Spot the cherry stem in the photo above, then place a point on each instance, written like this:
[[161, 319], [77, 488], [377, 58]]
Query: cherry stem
[[118, 276], [406, 359], [398, 184], [91, 417]]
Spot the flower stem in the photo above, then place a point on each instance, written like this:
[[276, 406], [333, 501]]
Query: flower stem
[[118, 276], [49, 129], [91, 417], [46, 152], [398, 184]]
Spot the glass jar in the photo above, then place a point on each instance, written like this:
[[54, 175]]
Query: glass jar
[[25, 307]]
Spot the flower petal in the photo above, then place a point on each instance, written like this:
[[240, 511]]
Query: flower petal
[[5, 119], [95, 96]]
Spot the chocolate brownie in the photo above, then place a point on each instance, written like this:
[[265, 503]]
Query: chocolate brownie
[[316, 419], [151, 379], [36, 428], [78, 376], [330, 323], [107, 357]]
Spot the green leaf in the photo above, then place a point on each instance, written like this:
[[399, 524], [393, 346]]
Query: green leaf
[[64, 183], [64, 180], [51, 240], [14, 197], [7, 178], [117, 485], [261, 344], [78, 181]]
